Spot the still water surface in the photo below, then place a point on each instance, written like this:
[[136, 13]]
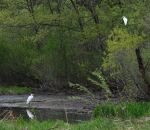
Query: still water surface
[[71, 116]]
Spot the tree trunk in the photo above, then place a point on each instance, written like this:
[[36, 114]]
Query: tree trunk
[[49, 5], [79, 18], [142, 70]]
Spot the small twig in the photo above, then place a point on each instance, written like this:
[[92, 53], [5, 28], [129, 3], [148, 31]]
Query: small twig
[[66, 115], [147, 64], [54, 127]]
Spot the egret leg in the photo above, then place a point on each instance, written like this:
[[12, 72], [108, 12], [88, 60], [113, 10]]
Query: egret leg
[[29, 105]]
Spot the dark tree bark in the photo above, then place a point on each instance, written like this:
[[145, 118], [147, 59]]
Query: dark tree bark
[[90, 5], [49, 5], [58, 6], [94, 15], [142, 69], [30, 7], [77, 11]]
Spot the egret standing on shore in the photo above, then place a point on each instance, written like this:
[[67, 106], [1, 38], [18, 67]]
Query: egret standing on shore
[[125, 20], [29, 99]]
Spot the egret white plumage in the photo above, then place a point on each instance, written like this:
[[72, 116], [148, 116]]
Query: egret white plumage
[[30, 98], [30, 115], [125, 20]]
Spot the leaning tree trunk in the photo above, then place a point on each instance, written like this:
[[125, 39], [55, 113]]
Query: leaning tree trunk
[[142, 70]]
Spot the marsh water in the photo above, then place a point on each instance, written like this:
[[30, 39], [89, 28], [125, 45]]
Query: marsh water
[[70, 116], [72, 110]]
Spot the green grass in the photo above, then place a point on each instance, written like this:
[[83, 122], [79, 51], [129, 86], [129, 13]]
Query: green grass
[[97, 124], [121, 116], [14, 90], [123, 110]]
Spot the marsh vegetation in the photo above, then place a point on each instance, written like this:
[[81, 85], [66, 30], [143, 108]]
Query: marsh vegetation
[[78, 47]]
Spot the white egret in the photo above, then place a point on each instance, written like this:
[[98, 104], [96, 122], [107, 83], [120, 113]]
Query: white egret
[[29, 99], [30, 115], [125, 20]]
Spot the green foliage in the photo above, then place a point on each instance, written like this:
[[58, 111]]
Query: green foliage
[[121, 60], [99, 80], [14, 90], [120, 41], [81, 88], [59, 42]]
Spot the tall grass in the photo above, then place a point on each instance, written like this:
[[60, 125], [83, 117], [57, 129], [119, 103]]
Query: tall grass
[[97, 124], [110, 116], [123, 110]]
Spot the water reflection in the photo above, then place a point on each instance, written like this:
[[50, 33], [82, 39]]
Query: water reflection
[[30, 115], [7, 115], [71, 116]]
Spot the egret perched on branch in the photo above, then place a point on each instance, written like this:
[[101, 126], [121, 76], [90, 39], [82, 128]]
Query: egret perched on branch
[[29, 113], [125, 20], [29, 99]]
